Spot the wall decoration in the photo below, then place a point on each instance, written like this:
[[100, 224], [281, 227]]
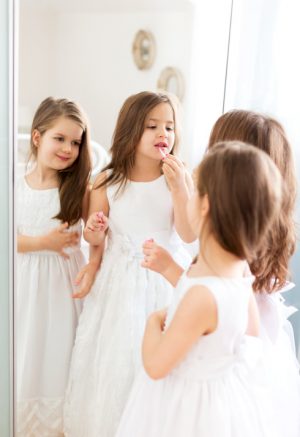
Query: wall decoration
[[143, 49], [171, 80]]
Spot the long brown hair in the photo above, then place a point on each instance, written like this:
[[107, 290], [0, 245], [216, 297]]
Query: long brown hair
[[129, 130], [271, 264], [242, 208], [74, 179]]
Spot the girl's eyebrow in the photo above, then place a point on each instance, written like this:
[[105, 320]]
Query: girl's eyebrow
[[156, 119]]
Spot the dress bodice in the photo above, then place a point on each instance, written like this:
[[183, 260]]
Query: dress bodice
[[141, 211], [213, 353], [36, 209]]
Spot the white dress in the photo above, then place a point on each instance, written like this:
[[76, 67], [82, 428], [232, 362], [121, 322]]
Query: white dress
[[106, 355], [217, 390], [280, 360], [46, 317]]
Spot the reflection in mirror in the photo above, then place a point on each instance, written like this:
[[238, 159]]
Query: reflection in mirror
[[171, 80], [84, 53], [89, 62]]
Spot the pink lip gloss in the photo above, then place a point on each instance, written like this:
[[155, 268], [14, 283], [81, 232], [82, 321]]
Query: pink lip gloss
[[162, 152]]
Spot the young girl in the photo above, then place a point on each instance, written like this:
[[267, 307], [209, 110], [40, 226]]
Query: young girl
[[198, 381], [270, 266], [143, 199], [50, 202]]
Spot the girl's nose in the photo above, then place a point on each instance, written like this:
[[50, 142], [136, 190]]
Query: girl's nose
[[163, 133], [67, 147]]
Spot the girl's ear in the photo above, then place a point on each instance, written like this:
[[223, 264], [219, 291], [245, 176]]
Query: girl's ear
[[36, 136], [204, 209]]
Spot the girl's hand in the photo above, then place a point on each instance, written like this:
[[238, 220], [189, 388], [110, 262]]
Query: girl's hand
[[85, 280], [97, 222], [156, 258], [175, 172], [159, 260], [59, 238], [158, 318]]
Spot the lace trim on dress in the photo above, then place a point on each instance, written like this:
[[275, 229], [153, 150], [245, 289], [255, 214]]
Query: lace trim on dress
[[40, 418]]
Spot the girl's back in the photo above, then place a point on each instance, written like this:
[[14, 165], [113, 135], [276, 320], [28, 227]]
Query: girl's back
[[212, 392]]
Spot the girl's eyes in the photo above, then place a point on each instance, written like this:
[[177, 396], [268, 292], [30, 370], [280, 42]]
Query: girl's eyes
[[61, 139], [168, 128]]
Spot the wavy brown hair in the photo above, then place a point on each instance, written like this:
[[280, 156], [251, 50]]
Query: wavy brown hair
[[129, 130], [271, 264], [73, 180], [242, 209]]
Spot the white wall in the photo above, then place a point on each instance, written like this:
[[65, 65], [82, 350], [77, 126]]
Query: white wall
[[85, 53], [88, 57]]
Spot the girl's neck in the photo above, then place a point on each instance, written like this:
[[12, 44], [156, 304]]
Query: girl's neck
[[43, 178], [145, 170], [213, 260]]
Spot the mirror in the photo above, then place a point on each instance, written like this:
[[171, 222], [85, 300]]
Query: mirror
[[94, 53]]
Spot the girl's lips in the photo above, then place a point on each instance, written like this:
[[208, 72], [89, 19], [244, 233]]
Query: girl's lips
[[63, 158], [161, 145]]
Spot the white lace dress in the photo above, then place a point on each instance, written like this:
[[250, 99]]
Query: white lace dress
[[46, 317], [106, 355], [217, 390]]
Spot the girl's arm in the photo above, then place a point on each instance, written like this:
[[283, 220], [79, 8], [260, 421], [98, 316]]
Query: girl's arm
[[253, 318], [55, 240], [86, 277], [159, 260], [94, 201], [196, 315], [180, 184], [98, 203]]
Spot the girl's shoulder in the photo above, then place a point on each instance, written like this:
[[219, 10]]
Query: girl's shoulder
[[100, 179], [223, 291]]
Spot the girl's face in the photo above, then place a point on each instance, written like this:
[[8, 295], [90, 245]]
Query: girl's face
[[58, 147], [159, 132]]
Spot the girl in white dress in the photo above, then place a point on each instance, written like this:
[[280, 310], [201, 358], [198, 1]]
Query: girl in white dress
[[198, 379], [50, 202], [271, 266], [143, 199]]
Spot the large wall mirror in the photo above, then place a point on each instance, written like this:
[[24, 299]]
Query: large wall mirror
[[83, 51]]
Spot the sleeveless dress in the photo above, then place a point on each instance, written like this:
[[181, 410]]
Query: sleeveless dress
[[106, 354], [46, 317], [280, 360], [217, 390]]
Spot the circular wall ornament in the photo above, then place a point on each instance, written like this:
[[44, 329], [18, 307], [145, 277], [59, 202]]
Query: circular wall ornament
[[143, 49], [171, 80]]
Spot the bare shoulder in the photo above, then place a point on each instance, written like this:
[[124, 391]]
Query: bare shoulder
[[200, 298], [198, 310], [100, 178]]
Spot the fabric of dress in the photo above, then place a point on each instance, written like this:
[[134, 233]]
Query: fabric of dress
[[107, 355], [280, 360], [218, 389], [46, 317]]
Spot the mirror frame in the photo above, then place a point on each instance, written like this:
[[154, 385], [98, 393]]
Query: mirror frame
[[8, 71]]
